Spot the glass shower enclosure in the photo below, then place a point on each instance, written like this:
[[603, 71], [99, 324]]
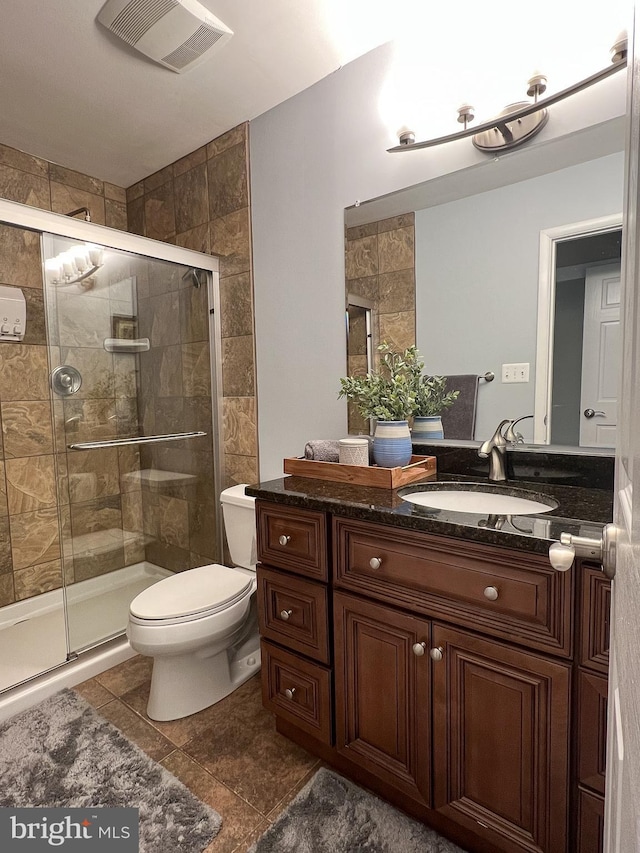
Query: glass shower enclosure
[[124, 492]]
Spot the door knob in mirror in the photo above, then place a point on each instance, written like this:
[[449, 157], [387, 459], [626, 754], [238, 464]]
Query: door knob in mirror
[[591, 413]]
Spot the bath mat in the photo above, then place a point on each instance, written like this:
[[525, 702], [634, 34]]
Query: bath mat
[[332, 815], [63, 754]]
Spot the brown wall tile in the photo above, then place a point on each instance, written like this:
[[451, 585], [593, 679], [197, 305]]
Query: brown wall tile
[[64, 199], [159, 213], [34, 538], [396, 250], [191, 198], [77, 180], [238, 367], [236, 305], [24, 372], [239, 422], [20, 261], [230, 239], [228, 185], [25, 162], [31, 484], [362, 257], [26, 428], [25, 188], [235, 136], [38, 579]]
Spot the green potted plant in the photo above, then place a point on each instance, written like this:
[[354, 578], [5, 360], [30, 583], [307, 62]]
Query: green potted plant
[[387, 395], [430, 400]]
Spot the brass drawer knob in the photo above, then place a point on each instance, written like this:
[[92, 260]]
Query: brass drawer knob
[[419, 649], [375, 562], [284, 540], [290, 692], [437, 654], [284, 614], [491, 593]]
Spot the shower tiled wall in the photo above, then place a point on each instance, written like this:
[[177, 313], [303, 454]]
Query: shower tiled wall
[[380, 266], [202, 202], [30, 546]]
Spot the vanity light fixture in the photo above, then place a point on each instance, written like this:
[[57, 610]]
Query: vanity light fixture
[[518, 122], [75, 266]]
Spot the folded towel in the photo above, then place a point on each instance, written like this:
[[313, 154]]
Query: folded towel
[[460, 420], [322, 450]]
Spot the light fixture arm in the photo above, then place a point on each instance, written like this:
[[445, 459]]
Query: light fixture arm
[[522, 112]]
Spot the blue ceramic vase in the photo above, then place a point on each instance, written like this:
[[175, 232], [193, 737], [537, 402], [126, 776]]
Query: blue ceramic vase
[[392, 444]]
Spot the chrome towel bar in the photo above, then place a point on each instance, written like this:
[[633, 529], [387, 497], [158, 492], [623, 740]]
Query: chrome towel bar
[[142, 439]]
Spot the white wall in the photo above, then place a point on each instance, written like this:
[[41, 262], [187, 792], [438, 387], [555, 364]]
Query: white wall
[[311, 157], [477, 276]]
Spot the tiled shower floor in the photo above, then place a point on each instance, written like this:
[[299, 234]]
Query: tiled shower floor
[[229, 755]]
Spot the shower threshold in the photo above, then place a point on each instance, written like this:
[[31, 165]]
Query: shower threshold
[[33, 634]]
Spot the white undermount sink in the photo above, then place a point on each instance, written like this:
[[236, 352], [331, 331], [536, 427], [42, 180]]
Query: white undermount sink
[[458, 497]]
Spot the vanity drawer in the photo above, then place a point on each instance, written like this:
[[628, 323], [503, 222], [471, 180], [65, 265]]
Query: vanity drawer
[[291, 538], [297, 691], [510, 594], [293, 612]]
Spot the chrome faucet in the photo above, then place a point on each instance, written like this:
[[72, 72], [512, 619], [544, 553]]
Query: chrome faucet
[[495, 448], [511, 435]]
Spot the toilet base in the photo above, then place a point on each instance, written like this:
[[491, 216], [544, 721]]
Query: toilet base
[[182, 685]]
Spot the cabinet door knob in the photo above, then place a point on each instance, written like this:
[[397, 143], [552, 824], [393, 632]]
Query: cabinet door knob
[[284, 614], [419, 649], [284, 540], [491, 592], [375, 562], [290, 692], [437, 653]]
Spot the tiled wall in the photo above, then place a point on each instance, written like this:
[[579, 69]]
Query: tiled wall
[[202, 202], [380, 266], [30, 493]]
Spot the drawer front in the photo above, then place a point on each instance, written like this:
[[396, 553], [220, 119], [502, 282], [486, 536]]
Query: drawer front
[[596, 606], [297, 690], [592, 730], [509, 594], [293, 539], [293, 612]]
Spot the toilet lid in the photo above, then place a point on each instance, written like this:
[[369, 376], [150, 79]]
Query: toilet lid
[[193, 592]]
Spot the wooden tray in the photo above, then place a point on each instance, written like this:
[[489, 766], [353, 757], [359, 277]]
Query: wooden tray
[[419, 468]]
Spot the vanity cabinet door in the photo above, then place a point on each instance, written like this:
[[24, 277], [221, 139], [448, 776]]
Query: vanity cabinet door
[[500, 733], [382, 693]]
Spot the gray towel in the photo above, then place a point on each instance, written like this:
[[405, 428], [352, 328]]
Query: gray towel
[[459, 421], [322, 450]]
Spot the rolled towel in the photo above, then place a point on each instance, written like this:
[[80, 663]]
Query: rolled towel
[[322, 450]]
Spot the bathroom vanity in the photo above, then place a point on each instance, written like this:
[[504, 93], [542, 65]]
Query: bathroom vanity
[[439, 659]]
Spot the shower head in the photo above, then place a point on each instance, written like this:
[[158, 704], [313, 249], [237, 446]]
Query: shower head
[[193, 274]]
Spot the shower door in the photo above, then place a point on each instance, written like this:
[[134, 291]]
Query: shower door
[[131, 394]]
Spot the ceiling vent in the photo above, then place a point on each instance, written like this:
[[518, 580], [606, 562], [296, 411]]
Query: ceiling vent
[[178, 34]]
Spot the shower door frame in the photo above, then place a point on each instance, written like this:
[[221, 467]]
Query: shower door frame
[[43, 221]]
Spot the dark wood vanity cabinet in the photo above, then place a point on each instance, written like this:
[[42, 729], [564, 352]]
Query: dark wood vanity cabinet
[[591, 700], [437, 672]]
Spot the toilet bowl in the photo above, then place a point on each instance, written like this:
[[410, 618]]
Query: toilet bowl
[[201, 626]]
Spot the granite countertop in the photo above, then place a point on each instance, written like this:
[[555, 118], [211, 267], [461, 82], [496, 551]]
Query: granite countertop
[[581, 510]]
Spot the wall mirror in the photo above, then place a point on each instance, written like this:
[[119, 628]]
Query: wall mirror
[[489, 269]]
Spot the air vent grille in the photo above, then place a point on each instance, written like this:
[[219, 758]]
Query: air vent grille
[[203, 38], [138, 17]]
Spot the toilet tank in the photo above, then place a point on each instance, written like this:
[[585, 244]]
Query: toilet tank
[[239, 516]]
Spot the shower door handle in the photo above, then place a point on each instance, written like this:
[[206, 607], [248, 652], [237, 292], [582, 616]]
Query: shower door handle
[[141, 439]]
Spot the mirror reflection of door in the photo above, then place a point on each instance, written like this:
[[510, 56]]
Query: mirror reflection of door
[[359, 352], [586, 351]]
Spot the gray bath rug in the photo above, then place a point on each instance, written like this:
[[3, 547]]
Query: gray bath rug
[[332, 815], [63, 754]]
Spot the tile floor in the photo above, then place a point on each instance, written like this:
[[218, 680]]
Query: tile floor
[[229, 755]]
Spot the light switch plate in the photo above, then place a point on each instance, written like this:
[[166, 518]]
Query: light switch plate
[[515, 372]]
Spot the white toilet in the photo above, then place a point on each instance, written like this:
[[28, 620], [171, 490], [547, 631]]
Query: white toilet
[[200, 626]]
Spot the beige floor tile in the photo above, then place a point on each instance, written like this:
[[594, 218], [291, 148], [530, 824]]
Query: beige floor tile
[[249, 840], [277, 810], [95, 694], [238, 817], [247, 754], [127, 675], [137, 730]]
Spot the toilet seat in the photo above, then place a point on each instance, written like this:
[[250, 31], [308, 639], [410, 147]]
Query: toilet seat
[[190, 595]]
